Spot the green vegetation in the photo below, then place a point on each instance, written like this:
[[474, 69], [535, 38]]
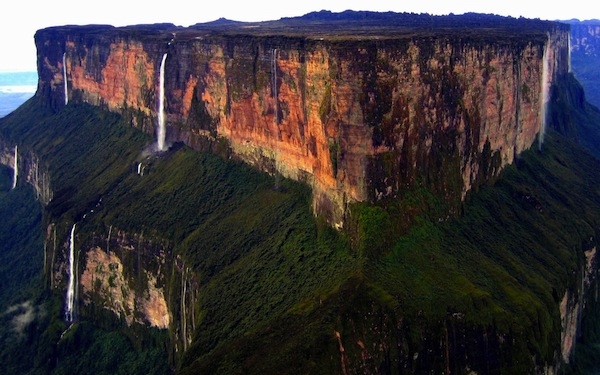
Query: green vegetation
[[573, 116], [21, 255], [334, 154], [325, 106], [86, 349], [231, 225], [33, 335], [20, 235], [418, 282], [588, 75]]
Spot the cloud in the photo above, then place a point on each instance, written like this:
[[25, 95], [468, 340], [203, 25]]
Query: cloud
[[24, 313]]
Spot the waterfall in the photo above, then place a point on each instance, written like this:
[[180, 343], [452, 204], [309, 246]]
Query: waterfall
[[108, 240], [161, 107], [569, 50], [15, 168], [276, 100], [274, 84], [65, 78], [545, 92], [140, 169], [183, 308], [71, 286]]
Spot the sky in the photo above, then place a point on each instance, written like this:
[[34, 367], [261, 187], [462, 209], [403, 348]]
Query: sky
[[20, 21]]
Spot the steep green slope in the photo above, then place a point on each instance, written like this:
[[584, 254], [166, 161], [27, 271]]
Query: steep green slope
[[249, 239], [572, 116], [21, 256], [496, 272], [67, 144], [281, 292], [20, 239]]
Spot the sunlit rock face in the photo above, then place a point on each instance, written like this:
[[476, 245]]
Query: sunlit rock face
[[104, 278], [357, 118], [122, 272]]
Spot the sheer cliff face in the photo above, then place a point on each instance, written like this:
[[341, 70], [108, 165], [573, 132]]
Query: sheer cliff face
[[120, 272], [29, 169], [356, 119]]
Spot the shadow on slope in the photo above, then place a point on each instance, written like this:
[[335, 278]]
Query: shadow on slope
[[480, 291], [282, 292]]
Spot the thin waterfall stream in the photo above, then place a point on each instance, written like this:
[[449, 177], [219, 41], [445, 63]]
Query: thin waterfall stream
[[71, 286], [64, 63], [15, 168], [545, 93], [161, 133]]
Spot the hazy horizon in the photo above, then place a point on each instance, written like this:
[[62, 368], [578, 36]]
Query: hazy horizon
[[15, 89], [17, 37]]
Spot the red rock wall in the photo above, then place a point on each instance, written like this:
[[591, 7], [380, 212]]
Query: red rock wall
[[356, 120]]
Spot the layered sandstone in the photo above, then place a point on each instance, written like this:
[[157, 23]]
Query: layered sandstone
[[122, 273], [356, 117]]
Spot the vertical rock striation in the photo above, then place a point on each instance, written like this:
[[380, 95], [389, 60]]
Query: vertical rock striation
[[356, 118], [30, 167]]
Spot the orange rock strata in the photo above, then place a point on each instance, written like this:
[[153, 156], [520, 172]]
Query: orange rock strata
[[356, 120], [104, 279]]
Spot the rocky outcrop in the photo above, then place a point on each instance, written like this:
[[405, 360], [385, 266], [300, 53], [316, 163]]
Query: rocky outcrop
[[356, 118], [131, 275], [122, 273], [574, 303], [105, 281], [8, 155], [30, 169]]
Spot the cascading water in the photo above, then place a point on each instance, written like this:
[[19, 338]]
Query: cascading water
[[64, 62], [274, 83], [71, 286], [140, 169], [161, 133], [545, 93], [569, 50], [15, 168], [108, 240], [276, 100]]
